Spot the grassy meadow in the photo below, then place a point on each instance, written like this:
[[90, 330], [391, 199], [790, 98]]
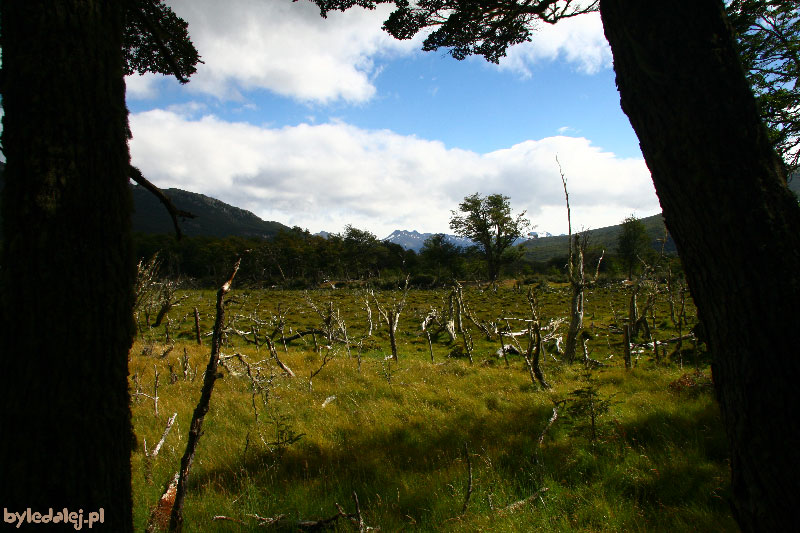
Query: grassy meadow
[[428, 445]]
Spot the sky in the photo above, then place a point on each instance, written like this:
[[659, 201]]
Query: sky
[[320, 123]]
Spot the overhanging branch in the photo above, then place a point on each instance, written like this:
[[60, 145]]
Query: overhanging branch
[[174, 212]]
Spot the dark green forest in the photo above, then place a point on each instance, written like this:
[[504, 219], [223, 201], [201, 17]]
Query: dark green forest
[[295, 258]]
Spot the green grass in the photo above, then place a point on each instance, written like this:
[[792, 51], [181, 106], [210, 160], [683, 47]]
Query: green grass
[[395, 432]]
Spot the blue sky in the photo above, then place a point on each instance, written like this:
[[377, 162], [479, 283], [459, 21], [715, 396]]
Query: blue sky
[[320, 123]]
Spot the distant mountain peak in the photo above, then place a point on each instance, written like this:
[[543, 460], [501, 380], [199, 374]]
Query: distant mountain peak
[[413, 239]]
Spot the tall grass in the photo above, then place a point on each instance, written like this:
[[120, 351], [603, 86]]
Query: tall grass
[[395, 433]]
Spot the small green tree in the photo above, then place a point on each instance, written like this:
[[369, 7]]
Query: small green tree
[[632, 243], [585, 407], [489, 223]]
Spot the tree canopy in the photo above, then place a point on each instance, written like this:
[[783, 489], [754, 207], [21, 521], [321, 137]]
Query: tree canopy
[[468, 27], [441, 256], [768, 33], [157, 40], [488, 222]]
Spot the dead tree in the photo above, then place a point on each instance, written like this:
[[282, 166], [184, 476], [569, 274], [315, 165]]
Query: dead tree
[[637, 319], [458, 309], [391, 316], [447, 316], [535, 343], [427, 321], [274, 353], [577, 278], [197, 326], [626, 345], [327, 357], [468, 344], [195, 429], [680, 322], [149, 457], [368, 310], [151, 292], [455, 301], [551, 420], [440, 319], [489, 329], [259, 385], [282, 523], [146, 287], [537, 335], [167, 299], [138, 392], [328, 328], [332, 327]]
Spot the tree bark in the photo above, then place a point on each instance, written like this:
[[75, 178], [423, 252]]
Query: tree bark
[[736, 226], [66, 261]]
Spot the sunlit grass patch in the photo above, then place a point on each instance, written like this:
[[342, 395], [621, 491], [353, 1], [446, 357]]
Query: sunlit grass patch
[[403, 435]]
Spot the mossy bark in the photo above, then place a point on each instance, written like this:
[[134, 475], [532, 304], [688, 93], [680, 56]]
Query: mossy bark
[[735, 224], [67, 271]]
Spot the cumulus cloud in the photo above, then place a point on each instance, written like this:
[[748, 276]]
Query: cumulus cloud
[[142, 86], [579, 41], [324, 176], [288, 49], [284, 47]]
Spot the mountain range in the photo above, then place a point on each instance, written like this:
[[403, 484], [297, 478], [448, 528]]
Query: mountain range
[[413, 240], [215, 218], [545, 248]]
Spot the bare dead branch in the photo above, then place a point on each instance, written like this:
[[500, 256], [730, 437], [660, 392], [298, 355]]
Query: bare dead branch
[[280, 521], [167, 429], [469, 480], [274, 353], [516, 506], [197, 326], [552, 419], [148, 457], [195, 429], [327, 357], [229, 519]]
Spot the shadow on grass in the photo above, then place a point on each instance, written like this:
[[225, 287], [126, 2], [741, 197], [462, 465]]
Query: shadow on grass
[[669, 466]]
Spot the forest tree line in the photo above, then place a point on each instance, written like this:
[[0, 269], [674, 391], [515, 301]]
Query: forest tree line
[[298, 259]]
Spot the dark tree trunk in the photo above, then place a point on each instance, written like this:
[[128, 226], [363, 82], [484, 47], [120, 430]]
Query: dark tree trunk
[[492, 263], [736, 226], [67, 272]]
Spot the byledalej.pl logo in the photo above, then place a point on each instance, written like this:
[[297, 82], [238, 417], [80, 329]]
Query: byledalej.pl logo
[[61, 516]]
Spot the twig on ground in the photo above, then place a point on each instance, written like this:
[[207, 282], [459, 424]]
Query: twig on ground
[[521, 503]]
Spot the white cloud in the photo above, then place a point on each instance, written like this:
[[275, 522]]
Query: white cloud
[[141, 86], [285, 47], [328, 175], [579, 41]]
